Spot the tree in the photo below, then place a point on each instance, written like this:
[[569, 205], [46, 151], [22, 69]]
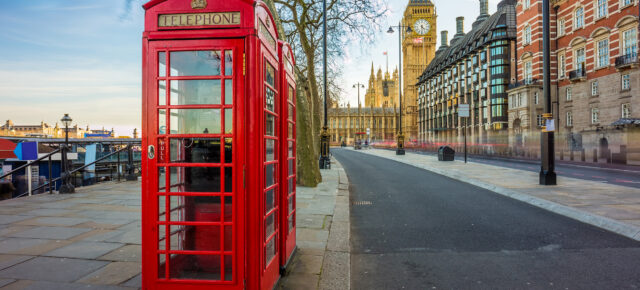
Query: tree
[[347, 21]]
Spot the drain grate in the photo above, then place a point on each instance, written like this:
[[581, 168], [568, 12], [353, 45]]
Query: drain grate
[[362, 202]]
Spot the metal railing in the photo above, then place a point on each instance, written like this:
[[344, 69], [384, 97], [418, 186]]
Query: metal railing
[[626, 60]]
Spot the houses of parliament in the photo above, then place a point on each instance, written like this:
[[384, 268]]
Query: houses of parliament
[[381, 108]]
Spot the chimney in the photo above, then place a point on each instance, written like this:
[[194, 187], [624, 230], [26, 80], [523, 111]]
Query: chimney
[[444, 35], [460, 25]]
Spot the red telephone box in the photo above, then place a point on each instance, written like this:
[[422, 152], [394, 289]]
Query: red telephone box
[[288, 151], [212, 191]]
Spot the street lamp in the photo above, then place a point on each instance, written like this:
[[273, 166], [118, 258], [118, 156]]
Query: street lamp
[[400, 137], [359, 85], [66, 187]]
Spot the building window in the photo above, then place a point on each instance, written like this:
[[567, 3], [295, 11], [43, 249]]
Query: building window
[[601, 9], [540, 120], [527, 35], [569, 94], [595, 116], [580, 59], [626, 82], [569, 119], [603, 53], [536, 97], [528, 72], [626, 110], [629, 42], [594, 88], [579, 18], [562, 66], [561, 27]]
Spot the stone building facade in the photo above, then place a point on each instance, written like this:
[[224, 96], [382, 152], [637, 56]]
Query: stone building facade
[[595, 80], [345, 122], [474, 69]]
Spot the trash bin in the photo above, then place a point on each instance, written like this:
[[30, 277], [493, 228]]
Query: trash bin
[[446, 153]]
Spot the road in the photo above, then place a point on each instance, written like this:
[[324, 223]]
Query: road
[[412, 229], [623, 177]]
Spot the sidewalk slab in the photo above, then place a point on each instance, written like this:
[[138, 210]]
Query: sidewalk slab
[[610, 207]]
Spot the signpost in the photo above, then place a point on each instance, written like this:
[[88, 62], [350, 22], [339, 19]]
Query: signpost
[[463, 112]]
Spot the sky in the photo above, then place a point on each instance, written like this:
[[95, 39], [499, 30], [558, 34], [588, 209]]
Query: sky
[[84, 58]]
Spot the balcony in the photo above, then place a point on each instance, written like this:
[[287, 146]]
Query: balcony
[[627, 61], [577, 75]]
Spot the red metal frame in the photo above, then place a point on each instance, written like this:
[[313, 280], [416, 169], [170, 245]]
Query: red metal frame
[[253, 43]]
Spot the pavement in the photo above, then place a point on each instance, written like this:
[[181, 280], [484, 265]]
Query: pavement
[[323, 258], [92, 239], [611, 207]]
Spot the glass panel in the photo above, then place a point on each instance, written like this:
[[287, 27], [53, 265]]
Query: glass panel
[[228, 179], [270, 250], [269, 225], [228, 62], [162, 178], [195, 150], [162, 93], [270, 147], [196, 92], [162, 121], [270, 200], [195, 179], [195, 209], [195, 238], [195, 121], [228, 92], [228, 121], [195, 267], [270, 125], [195, 63], [228, 268], [228, 150], [162, 64], [162, 237], [228, 208], [269, 175], [270, 99], [270, 74], [162, 207]]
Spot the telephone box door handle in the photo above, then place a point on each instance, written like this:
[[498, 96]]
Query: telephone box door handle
[[151, 153]]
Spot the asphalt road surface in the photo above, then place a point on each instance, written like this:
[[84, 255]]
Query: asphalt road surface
[[629, 177], [412, 229]]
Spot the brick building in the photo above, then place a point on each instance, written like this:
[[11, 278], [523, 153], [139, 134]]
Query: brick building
[[595, 80]]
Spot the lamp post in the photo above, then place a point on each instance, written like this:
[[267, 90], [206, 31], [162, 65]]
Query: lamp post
[[359, 85], [400, 137], [547, 168], [325, 160], [66, 187]]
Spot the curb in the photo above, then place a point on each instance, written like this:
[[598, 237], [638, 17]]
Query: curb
[[605, 223]]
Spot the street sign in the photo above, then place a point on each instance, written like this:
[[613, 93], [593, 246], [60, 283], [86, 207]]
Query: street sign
[[463, 110], [26, 151]]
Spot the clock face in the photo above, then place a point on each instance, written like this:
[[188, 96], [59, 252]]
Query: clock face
[[421, 26]]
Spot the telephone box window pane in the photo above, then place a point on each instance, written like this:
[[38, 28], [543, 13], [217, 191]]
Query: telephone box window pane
[[270, 200], [228, 121], [195, 63], [228, 208], [162, 208], [269, 74], [228, 92], [162, 93], [196, 92], [195, 121], [228, 179], [270, 99], [162, 64], [270, 125], [269, 175], [228, 150], [195, 238], [195, 267], [162, 121], [195, 179], [195, 209], [270, 147], [269, 225], [162, 179], [195, 150], [228, 268], [228, 62], [270, 250]]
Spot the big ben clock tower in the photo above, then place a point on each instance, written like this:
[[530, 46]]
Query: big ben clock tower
[[418, 49]]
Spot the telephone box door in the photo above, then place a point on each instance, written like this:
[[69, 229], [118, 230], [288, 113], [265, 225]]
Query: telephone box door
[[194, 106]]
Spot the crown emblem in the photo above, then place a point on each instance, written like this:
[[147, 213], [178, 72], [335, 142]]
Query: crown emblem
[[198, 4]]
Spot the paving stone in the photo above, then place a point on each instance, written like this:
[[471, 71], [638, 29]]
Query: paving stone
[[113, 274], [11, 245], [135, 282], [54, 233], [9, 219], [52, 269], [7, 261], [86, 250], [128, 253], [55, 221]]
